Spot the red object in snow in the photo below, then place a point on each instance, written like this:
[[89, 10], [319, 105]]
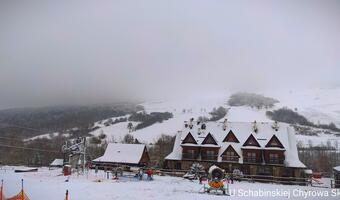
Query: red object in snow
[[317, 175], [67, 170]]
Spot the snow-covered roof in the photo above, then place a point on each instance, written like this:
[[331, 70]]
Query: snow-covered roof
[[242, 131], [57, 162], [122, 153], [337, 168]]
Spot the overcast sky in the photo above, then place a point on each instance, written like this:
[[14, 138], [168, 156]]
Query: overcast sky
[[56, 52]]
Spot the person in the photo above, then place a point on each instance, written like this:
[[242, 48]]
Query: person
[[149, 173], [140, 173], [200, 179]]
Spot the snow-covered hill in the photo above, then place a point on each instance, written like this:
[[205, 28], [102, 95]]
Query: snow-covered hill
[[318, 105]]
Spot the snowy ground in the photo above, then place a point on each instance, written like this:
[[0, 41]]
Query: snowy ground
[[46, 184]]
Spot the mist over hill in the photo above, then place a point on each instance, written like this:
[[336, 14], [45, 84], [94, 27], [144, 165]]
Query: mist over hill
[[29, 122]]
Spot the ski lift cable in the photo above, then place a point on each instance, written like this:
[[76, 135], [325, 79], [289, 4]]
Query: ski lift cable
[[21, 140], [28, 148], [27, 128]]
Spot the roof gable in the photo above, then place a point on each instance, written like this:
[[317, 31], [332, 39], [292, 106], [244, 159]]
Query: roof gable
[[231, 137], [209, 139], [123, 153], [230, 149], [274, 142], [251, 141], [189, 139]]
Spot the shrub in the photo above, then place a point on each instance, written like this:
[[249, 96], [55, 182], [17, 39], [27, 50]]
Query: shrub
[[252, 100]]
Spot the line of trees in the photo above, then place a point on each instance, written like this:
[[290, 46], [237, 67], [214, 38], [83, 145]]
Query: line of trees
[[252, 100], [289, 116]]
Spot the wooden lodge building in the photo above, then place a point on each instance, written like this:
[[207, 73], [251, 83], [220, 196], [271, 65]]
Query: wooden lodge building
[[117, 154], [336, 171], [265, 148]]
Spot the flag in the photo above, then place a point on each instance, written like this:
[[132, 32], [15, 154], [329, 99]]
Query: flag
[[2, 196], [66, 198]]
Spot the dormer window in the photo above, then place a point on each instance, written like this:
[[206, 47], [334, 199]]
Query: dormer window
[[189, 139], [230, 154], [251, 141], [274, 142], [209, 139], [231, 137]]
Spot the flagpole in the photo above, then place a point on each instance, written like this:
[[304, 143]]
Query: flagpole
[[66, 195], [22, 189], [1, 195]]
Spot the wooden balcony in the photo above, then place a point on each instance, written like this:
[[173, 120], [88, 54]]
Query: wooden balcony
[[206, 157], [226, 158], [275, 161], [189, 156], [247, 159]]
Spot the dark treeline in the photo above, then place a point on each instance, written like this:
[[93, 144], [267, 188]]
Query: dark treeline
[[252, 100], [28, 122], [217, 113], [320, 159], [149, 119], [289, 116], [40, 152]]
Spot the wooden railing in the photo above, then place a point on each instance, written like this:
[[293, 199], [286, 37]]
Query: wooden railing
[[275, 161], [226, 158], [209, 157], [189, 156], [275, 179], [251, 160], [335, 184]]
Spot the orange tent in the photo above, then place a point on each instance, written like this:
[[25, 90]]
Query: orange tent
[[21, 195]]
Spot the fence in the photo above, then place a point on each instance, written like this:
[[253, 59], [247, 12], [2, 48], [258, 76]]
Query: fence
[[335, 184], [251, 178], [276, 179]]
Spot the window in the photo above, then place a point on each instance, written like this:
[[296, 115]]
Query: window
[[209, 155], [231, 156], [178, 165], [191, 151], [251, 157], [274, 158]]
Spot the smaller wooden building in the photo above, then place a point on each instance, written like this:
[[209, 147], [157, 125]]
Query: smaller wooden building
[[123, 154], [336, 177], [57, 163]]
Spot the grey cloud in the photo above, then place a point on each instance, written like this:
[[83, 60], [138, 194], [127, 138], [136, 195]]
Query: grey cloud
[[54, 52]]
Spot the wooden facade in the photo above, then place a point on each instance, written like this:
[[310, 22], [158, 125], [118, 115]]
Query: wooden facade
[[336, 179], [260, 153]]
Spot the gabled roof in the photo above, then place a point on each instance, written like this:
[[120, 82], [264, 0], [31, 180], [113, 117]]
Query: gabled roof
[[251, 141], [274, 142], [189, 139], [209, 139], [230, 137], [122, 153], [230, 148], [57, 162], [337, 168], [285, 134]]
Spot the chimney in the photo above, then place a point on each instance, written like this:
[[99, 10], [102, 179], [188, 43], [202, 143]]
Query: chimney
[[255, 127], [225, 123], [275, 126]]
